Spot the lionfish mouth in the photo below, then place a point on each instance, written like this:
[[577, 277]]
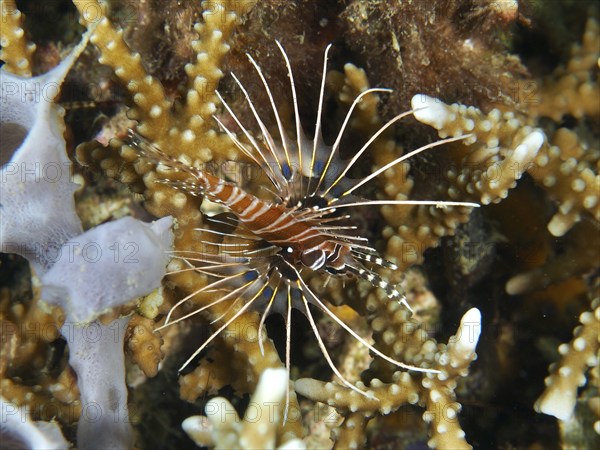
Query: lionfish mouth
[[276, 243]]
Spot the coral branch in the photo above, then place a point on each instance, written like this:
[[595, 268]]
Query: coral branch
[[16, 51], [435, 391], [496, 155], [567, 375], [222, 427], [572, 89], [565, 168]]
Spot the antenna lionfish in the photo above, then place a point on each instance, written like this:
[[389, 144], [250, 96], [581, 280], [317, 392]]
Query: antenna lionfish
[[299, 231]]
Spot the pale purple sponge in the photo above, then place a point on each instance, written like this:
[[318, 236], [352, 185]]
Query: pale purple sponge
[[37, 210], [108, 266], [96, 355], [102, 269], [17, 430]]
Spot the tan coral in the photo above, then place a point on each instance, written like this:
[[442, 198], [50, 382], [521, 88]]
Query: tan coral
[[411, 229], [581, 249], [27, 329], [41, 401], [188, 130], [435, 391], [222, 428], [224, 366], [572, 89], [211, 374], [351, 434], [565, 168], [16, 51], [567, 375], [502, 148], [497, 153], [144, 345]]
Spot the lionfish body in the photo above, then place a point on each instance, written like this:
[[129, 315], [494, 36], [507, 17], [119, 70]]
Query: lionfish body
[[299, 230]]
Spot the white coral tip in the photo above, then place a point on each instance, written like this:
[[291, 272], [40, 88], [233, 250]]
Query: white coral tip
[[430, 110], [198, 429], [556, 402], [518, 284], [528, 149], [272, 386], [219, 412], [468, 332], [294, 444]]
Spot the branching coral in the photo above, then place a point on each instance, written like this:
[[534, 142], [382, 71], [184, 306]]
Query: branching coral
[[568, 167], [222, 428], [16, 51], [188, 128], [572, 89], [563, 166], [504, 148], [434, 391], [144, 345], [566, 170], [568, 374], [28, 330]]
